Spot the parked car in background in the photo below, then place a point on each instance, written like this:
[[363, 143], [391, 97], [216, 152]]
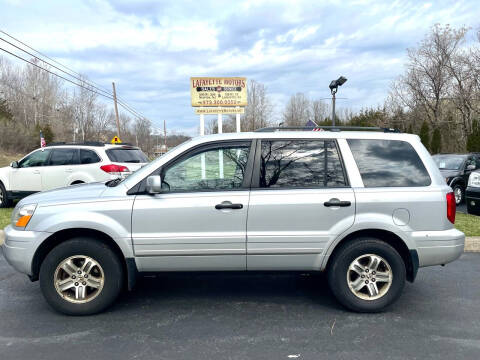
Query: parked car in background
[[63, 164], [456, 169], [367, 208], [472, 193]]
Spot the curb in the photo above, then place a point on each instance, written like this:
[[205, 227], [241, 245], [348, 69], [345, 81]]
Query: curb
[[472, 243]]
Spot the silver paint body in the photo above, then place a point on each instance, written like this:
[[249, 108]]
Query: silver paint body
[[275, 230]]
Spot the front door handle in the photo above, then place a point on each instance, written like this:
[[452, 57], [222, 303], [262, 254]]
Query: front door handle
[[228, 205], [36, 171], [336, 202]]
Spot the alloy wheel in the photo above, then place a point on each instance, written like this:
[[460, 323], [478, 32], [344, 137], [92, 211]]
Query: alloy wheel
[[369, 277], [79, 279]]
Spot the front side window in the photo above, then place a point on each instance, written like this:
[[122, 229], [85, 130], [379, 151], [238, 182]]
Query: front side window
[[64, 157], [388, 163], [38, 158], [213, 169], [300, 164]]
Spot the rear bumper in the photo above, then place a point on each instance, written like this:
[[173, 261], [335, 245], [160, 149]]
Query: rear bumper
[[438, 247], [19, 248]]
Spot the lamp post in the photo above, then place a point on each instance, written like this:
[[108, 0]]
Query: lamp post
[[334, 88]]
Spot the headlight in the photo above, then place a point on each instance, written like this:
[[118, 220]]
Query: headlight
[[22, 215], [474, 179]]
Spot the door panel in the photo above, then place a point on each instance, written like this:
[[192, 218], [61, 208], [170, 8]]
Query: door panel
[[199, 220], [301, 202], [188, 224], [294, 223], [28, 175]]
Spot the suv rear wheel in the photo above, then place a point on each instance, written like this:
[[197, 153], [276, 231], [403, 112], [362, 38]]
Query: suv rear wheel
[[366, 275], [81, 276]]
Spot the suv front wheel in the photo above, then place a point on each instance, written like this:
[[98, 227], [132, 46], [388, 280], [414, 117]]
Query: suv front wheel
[[366, 275], [81, 276]]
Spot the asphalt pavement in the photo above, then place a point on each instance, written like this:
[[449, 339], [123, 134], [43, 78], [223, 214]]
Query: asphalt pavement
[[248, 317]]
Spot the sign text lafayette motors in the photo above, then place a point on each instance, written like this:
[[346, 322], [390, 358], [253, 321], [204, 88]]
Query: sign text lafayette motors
[[218, 91]]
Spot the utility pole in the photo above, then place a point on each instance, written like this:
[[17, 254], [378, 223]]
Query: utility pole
[[333, 107], [165, 134], [116, 109]]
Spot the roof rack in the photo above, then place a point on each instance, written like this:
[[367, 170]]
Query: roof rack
[[85, 143], [327, 128]]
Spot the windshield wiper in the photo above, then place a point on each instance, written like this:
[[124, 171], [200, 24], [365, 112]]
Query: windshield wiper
[[114, 182]]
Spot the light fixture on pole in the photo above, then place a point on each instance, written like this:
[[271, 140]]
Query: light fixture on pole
[[333, 88]]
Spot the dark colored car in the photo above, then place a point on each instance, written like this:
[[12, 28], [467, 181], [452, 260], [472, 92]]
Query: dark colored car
[[456, 169], [472, 194]]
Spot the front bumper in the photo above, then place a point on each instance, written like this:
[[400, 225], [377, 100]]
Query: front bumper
[[19, 247], [472, 198], [438, 247]]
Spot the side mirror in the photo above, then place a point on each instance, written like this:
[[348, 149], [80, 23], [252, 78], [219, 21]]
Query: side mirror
[[14, 164], [471, 167], [154, 184]]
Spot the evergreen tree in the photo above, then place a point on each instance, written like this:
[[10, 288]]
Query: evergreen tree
[[425, 135], [436, 144], [473, 140]]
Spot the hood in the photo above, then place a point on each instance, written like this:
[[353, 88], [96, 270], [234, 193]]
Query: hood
[[450, 173], [67, 194]]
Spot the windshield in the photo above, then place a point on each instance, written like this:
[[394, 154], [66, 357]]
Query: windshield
[[449, 162], [127, 155]]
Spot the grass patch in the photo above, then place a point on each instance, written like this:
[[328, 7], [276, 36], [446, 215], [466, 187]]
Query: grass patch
[[5, 217], [469, 224]]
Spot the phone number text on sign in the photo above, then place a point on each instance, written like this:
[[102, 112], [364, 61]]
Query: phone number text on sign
[[217, 91]]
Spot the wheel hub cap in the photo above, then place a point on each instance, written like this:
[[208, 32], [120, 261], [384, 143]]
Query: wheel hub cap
[[79, 279], [369, 277]]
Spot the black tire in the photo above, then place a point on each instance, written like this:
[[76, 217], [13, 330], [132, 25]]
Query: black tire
[[103, 255], [338, 270], [4, 201], [462, 194]]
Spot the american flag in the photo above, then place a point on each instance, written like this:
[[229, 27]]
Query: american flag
[[43, 143]]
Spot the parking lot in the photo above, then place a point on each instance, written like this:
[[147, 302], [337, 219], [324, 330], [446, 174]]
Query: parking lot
[[241, 317]]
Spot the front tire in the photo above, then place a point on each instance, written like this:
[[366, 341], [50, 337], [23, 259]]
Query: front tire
[[81, 276], [366, 275], [4, 200]]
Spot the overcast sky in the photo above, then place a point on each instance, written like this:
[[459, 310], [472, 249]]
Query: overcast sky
[[151, 48]]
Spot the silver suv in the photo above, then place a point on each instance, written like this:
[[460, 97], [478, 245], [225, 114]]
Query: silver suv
[[368, 208]]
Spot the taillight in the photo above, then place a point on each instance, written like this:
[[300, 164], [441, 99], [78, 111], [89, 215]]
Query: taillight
[[451, 207], [114, 169]]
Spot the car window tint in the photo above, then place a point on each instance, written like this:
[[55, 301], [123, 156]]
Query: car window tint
[[388, 163], [300, 164], [88, 157], [127, 155], [213, 169], [64, 157], [38, 158]]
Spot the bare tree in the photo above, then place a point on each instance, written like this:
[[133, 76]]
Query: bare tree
[[297, 111]]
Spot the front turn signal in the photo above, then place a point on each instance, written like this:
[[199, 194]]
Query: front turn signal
[[23, 221]]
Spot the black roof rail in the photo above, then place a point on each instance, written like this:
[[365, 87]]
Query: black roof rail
[[84, 143], [327, 128]]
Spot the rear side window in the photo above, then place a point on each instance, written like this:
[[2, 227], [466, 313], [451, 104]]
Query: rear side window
[[388, 163], [126, 155], [88, 157], [64, 157], [300, 164]]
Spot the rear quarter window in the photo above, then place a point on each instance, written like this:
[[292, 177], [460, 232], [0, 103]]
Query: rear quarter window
[[388, 163], [127, 155]]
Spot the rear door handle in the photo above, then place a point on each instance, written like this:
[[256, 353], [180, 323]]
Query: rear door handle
[[68, 170], [36, 171], [228, 205], [336, 202]]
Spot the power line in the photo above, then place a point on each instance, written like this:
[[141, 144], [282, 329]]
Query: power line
[[78, 77], [126, 107]]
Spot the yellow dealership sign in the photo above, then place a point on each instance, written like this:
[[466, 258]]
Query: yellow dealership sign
[[219, 110], [218, 92]]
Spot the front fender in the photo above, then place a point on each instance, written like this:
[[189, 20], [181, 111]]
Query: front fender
[[112, 217]]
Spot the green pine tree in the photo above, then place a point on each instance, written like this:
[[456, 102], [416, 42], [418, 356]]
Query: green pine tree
[[473, 140], [436, 144], [425, 135]]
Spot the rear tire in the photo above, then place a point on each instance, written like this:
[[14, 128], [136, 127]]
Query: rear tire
[[81, 276], [358, 284], [5, 202]]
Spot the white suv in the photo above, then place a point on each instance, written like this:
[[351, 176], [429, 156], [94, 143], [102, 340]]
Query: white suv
[[63, 164]]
